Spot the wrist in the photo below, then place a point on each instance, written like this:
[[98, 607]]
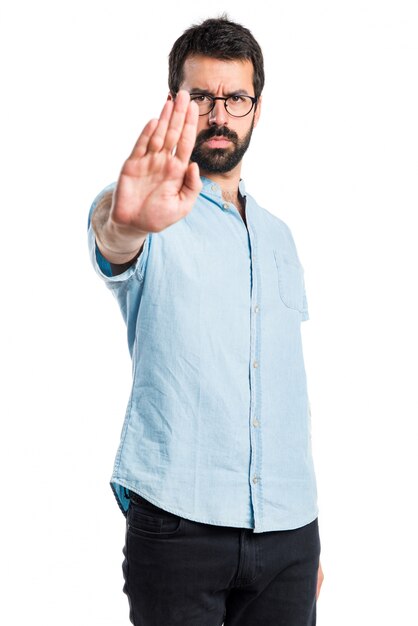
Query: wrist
[[118, 231], [119, 243]]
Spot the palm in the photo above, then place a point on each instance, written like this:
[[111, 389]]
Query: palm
[[157, 187]]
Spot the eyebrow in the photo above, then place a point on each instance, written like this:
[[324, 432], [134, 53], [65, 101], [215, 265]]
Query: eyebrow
[[237, 92]]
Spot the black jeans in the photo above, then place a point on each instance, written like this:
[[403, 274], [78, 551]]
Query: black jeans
[[179, 572]]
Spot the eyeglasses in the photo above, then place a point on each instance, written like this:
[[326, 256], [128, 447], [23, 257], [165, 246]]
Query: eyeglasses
[[237, 106]]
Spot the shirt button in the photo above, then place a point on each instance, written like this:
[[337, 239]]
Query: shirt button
[[256, 423], [255, 479], [226, 205], [214, 188], [256, 308], [255, 364]]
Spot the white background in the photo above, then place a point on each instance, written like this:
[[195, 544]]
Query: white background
[[335, 155]]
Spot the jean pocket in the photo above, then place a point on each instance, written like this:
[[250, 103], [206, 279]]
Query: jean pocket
[[146, 519], [290, 281]]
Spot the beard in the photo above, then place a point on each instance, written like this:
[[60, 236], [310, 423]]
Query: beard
[[220, 160]]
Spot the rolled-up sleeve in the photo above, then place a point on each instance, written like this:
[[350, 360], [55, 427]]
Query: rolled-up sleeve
[[101, 265]]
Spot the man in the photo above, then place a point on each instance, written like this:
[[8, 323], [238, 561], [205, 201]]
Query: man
[[214, 470]]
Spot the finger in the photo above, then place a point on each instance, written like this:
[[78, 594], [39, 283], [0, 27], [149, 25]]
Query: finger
[[176, 124], [156, 142], [188, 136], [192, 183], [141, 145]]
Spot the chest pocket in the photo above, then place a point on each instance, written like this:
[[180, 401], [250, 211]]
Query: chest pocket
[[291, 281]]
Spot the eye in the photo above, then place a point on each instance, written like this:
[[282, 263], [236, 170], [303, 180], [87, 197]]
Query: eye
[[236, 99], [200, 98]]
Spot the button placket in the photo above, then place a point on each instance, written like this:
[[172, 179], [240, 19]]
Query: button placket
[[255, 365]]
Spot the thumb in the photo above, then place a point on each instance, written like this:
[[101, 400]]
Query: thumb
[[192, 183]]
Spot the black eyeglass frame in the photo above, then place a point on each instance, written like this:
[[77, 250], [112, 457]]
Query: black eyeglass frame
[[253, 99]]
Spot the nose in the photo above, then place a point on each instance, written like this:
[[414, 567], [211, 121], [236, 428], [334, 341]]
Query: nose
[[218, 116]]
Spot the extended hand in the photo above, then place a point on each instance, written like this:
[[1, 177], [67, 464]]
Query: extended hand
[[157, 186], [320, 580]]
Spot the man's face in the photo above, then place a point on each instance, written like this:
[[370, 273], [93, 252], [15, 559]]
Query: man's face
[[221, 139]]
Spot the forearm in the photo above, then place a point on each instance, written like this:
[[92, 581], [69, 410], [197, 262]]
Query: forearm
[[118, 243]]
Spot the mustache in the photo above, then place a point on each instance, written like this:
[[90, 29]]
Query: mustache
[[216, 131]]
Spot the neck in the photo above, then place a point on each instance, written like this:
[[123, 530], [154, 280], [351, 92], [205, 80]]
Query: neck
[[228, 182]]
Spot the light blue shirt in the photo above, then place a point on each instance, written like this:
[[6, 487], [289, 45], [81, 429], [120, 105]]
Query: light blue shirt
[[217, 427]]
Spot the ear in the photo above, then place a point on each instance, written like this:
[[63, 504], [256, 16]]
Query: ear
[[257, 111]]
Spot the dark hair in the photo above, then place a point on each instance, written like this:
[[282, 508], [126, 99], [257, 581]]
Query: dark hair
[[218, 38]]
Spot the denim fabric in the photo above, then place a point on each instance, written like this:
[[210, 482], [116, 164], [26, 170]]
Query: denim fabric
[[217, 427], [178, 572]]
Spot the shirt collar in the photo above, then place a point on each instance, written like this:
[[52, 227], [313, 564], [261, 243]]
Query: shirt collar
[[213, 189]]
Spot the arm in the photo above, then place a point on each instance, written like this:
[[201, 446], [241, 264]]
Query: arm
[[156, 187], [118, 244]]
